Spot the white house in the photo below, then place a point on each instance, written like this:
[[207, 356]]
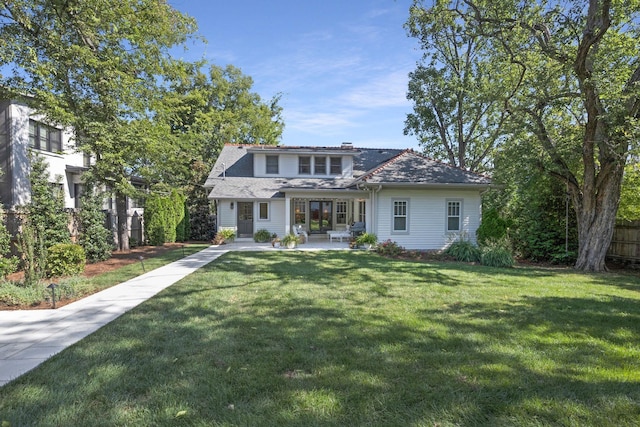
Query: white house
[[399, 194], [23, 130]]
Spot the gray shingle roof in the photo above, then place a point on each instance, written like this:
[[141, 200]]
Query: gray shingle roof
[[414, 168], [232, 174]]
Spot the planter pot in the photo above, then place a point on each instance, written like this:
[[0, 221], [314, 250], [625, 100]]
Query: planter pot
[[291, 245]]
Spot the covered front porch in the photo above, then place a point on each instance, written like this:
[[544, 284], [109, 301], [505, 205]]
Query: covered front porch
[[325, 215]]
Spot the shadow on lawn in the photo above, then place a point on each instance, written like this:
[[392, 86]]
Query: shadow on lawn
[[286, 357]]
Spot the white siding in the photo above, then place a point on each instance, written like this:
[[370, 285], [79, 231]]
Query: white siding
[[426, 217], [227, 217]]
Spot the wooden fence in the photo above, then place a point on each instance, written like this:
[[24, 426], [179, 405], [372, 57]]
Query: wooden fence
[[625, 244]]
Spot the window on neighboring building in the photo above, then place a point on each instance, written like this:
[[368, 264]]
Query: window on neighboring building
[[300, 211], [263, 208], [78, 189], [320, 165], [272, 165], [304, 165], [335, 167], [453, 215], [341, 212], [43, 137], [400, 220]]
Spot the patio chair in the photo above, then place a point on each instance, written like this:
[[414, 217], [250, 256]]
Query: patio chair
[[301, 233], [357, 229]]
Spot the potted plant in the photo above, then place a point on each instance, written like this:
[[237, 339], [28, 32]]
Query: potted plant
[[275, 240], [367, 240], [290, 240]]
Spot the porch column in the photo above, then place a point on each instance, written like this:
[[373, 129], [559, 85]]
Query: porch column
[[287, 215]]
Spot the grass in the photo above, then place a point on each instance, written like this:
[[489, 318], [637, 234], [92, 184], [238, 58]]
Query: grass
[[12, 294], [351, 338]]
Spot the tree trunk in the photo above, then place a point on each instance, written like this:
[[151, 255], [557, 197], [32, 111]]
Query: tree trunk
[[123, 229]]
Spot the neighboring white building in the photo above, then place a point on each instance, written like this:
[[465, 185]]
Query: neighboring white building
[[21, 130], [399, 194]]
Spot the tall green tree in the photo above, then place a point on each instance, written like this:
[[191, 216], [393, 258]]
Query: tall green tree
[[459, 116], [575, 72], [95, 65]]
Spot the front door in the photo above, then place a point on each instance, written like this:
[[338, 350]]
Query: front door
[[245, 219], [321, 216]]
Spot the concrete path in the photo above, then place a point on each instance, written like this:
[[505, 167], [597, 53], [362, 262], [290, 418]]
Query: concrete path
[[29, 337]]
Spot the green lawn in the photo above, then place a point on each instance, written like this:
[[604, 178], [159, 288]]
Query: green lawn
[[352, 339]]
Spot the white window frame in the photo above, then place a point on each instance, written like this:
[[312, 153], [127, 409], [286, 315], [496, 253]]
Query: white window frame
[[394, 216], [300, 172], [341, 211], [260, 218], [331, 165], [447, 212], [315, 165]]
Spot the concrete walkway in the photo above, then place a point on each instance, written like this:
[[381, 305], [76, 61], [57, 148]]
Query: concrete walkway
[[29, 337]]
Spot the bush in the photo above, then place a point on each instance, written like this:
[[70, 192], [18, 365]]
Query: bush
[[389, 248], [290, 238], [8, 263], [463, 250], [223, 236], [65, 259], [366, 239], [95, 238], [262, 236], [493, 226], [497, 253]]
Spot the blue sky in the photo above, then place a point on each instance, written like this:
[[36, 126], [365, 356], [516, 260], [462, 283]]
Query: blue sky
[[341, 65]]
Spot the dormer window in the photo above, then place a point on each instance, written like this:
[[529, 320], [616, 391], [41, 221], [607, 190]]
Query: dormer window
[[319, 165], [272, 165], [336, 166], [304, 165]]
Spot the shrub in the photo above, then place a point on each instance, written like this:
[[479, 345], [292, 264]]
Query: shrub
[[497, 253], [493, 226], [389, 248], [164, 218], [8, 263], [463, 250], [262, 236], [65, 259], [224, 235], [290, 238], [95, 238], [366, 239]]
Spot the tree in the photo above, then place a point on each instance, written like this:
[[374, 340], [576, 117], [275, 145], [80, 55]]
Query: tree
[[575, 72], [95, 238], [458, 114], [629, 209], [96, 66]]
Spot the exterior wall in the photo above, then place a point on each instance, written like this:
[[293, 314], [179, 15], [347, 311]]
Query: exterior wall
[[227, 217], [426, 217], [17, 148], [288, 165]]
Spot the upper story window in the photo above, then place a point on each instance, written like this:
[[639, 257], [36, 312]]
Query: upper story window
[[272, 165], [43, 137], [320, 165], [304, 165], [335, 165]]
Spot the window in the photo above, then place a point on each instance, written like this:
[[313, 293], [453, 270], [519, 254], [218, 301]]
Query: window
[[43, 137], [78, 190], [272, 164], [304, 165], [400, 220], [320, 165], [453, 215], [341, 212], [300, 211], [362, 211], [335, 165], [263, 210]]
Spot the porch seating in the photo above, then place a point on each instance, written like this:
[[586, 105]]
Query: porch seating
[[301, 233], [357, 229], [334, 234]]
